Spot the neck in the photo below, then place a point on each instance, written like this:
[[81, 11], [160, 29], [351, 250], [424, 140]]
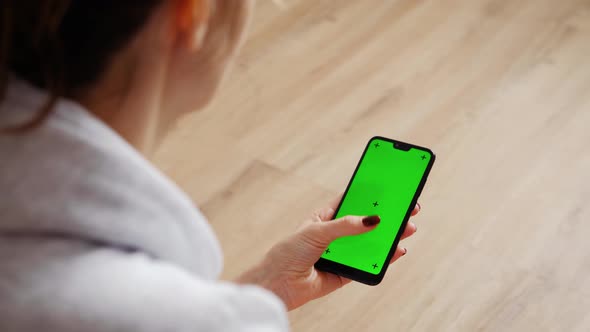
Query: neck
[[129, 101]]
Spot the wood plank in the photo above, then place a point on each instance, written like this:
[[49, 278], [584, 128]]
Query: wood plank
[[498, 88]]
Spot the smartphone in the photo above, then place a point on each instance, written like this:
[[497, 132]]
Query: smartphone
[[387, 182]]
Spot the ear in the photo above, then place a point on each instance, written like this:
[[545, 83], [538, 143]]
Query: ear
[[192, 22]]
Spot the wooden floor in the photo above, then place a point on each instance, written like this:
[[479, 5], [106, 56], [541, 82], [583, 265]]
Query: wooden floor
[[499, 89]]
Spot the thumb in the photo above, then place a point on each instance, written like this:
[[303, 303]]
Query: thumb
[[329, 231]]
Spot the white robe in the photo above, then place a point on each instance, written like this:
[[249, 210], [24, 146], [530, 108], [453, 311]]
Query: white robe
[[94, 238]]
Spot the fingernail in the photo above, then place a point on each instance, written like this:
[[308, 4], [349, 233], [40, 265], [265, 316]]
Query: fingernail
[[419, 206], [371, 221], [405, 251]]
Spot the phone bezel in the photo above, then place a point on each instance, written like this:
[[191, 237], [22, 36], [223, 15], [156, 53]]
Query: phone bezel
[[360, 275]]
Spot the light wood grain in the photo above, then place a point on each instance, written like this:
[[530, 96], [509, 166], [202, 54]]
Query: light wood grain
[[499, 89]]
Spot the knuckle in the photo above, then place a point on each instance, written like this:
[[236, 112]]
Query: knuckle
[[316, 235], [330, 212], [350, 220], [315, 216]]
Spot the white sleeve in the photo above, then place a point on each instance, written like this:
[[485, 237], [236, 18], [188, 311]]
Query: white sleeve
[[106, 291]]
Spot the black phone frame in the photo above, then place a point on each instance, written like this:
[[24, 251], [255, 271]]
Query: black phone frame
[[360, 275]]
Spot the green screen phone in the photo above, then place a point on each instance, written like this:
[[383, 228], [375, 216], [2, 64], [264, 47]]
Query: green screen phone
[[387, 182]]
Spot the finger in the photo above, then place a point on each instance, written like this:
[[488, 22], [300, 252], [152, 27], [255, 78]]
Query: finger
[[329, 282], [399, 252], [336, 201], [416, 209], [327, 213], [326, 232], [410, 230]]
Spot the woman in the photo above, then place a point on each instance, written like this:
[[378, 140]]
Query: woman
[[92, 236]]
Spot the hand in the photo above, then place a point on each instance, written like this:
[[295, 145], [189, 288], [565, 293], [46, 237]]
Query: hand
[[288, 268]]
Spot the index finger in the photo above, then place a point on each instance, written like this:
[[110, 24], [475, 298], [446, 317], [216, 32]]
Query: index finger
[[334, 202]]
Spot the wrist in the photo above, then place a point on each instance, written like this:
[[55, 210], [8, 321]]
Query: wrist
[[262, 274]]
